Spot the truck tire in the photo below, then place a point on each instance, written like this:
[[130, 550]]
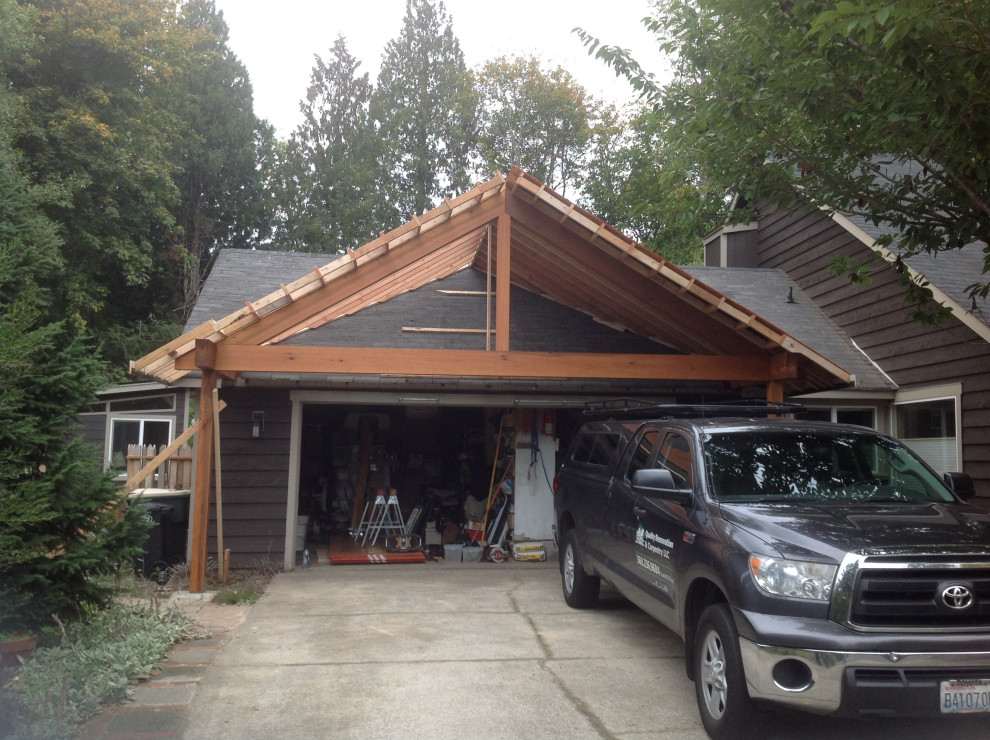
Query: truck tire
[[719, 681], [580, 589]]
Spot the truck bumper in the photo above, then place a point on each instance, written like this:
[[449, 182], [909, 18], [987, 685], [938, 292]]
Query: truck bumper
[[856, 683]]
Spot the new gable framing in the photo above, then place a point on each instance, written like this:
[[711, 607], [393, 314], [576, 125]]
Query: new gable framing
[[519, 235]]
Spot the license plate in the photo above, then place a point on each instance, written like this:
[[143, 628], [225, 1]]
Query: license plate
[[965, 696]]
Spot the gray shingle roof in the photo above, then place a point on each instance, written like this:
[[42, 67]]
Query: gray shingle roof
[[240, 275], [952, 271], [765, 290]]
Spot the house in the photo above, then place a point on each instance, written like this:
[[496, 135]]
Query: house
[[451, 357], [938, 399]]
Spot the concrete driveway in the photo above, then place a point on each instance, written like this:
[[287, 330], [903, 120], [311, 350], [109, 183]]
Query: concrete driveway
[[466, 651]]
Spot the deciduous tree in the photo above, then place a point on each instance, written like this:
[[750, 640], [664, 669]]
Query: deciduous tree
[[534, 118], [875, 108], [641, 182], [220, 200]]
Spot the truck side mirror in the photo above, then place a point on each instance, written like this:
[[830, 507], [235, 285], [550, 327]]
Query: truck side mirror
[[960, 484], [660, 483]]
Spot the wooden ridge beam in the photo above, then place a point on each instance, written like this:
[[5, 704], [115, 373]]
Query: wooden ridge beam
[[488, 364]]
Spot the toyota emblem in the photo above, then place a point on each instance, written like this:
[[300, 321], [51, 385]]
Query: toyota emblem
[[957, 597]]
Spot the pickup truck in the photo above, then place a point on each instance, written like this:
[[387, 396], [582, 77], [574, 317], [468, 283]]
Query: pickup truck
[[820, 566]]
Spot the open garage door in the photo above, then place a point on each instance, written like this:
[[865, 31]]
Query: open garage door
[[387, 482]]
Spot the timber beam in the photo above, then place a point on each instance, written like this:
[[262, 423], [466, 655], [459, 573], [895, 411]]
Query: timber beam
[[484, 364]]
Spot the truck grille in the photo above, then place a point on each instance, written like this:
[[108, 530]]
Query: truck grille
[[924, 593]]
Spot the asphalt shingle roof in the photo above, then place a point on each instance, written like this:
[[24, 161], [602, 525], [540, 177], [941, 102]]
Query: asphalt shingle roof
[[240, 275], [766, 291]]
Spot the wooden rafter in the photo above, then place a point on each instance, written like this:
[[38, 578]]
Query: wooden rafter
[[558, 250]]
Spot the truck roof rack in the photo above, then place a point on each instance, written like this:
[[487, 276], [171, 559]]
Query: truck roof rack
[[632, 408]]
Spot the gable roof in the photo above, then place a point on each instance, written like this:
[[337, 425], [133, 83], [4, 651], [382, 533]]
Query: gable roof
[[948, 274], [782, 301], [552, 249]]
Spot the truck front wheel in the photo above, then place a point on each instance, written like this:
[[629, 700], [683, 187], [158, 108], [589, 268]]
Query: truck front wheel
[[719, 682], [580, 589]]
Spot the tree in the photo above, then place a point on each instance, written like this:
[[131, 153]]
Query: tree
[[424, 107], [58, 516], [96, 131], [878, 109], [534, 118], [333, 165], [216, 158], [640, 182]]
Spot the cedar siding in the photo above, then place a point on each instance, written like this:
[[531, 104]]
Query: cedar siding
[[804, 245], [254, 476]]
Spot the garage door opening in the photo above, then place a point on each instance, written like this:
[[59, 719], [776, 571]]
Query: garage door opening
[[393, 483]]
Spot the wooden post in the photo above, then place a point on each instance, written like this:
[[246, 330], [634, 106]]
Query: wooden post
[[503, 262], [206, 352], [217, 466]]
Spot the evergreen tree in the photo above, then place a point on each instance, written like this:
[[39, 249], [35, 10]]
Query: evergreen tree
[[332, 169], [425, 108], [58, 517]]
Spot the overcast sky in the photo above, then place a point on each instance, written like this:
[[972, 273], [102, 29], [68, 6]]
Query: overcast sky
[[277, 40]]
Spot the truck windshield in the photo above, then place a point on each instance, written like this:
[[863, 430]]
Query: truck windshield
[[816, 466]]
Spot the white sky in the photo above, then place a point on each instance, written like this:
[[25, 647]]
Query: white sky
[[277, 40]]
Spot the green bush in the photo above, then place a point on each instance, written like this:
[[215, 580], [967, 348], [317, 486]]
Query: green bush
[[97, 660]]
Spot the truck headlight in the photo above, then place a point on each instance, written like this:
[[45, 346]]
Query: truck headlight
[[797, 578]]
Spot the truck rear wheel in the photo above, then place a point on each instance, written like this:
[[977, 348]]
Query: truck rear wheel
[[719, 681], [580, 589]]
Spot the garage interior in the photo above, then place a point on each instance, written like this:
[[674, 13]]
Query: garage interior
[[452, 471]]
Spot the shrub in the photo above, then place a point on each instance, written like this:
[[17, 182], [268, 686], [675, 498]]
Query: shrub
[[95, 663]]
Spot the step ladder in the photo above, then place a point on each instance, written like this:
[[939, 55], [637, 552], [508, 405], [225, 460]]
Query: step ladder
[[384, 517]]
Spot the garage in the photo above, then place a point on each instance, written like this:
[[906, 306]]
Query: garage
[[435, 357], [467, 481]]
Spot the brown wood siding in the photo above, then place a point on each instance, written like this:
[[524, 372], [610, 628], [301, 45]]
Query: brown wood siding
[[93, 429], [804, 244], [254, 477]]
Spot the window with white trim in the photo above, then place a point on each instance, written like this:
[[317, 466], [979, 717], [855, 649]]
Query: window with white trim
[[131, 431], [929, 427]]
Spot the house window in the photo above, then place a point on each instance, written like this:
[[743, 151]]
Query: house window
[[864, 417], [124, 432], [929, 428], [146, 403]]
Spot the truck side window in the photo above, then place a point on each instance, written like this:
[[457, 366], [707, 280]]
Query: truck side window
[[675, 456], [604, 449], [643, 453], [596, 449]]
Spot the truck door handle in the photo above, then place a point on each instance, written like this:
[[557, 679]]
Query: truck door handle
[[639, 511]]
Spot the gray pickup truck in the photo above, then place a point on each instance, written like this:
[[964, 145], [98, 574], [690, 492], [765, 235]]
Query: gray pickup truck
[[820, 566]]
